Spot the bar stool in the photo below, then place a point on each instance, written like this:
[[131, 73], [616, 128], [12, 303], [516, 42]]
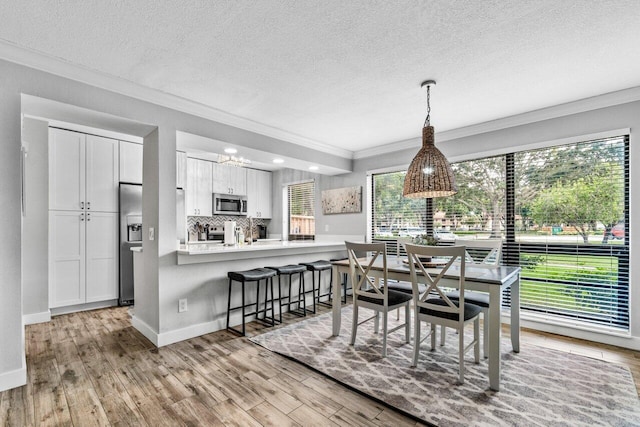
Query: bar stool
[[255, 275], [290, 270], [344, 281], [319, 266]]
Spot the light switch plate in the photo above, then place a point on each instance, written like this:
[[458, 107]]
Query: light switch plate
[[152, 233]]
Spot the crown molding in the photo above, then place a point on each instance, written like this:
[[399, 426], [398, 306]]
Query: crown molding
[[43, 62], [587, 104]]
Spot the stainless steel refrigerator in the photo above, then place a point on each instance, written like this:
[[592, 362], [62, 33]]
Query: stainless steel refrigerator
[[131, 233]]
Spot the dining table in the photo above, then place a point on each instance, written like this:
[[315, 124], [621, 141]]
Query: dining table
[[490, 279]]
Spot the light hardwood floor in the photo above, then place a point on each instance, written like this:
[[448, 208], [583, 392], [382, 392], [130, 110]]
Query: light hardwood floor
[[94, 368]]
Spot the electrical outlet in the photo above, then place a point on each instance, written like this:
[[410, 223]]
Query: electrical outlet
[[152, 233], [182, 305], [326, 227]]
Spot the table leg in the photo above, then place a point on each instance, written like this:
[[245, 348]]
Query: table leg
[[515, 315], [336, 306], [494, 337]]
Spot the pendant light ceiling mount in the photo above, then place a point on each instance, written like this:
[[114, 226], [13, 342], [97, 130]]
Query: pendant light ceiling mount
[[430, 174], [428, 83]]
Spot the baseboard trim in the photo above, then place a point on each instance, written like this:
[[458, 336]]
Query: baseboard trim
[[145, 330], [13, 379], [189, 332], [176, 335], [83, 307], [33, 318]]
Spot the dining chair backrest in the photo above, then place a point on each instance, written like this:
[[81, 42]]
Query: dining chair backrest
[[432, 278], [359, 269], [482, 252], [400, 242]]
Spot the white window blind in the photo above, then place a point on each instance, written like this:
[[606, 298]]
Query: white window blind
[[570, 235], [302, 223]]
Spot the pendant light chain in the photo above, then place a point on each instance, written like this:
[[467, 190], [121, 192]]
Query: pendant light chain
[[427, 121]]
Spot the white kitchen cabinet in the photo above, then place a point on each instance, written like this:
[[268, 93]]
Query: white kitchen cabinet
[[83, 257], [229, 179], [130, 162], [66, 258], [101, 256], [66, 170], [181, 169], [258, 193], [199, 188], [83, 172]]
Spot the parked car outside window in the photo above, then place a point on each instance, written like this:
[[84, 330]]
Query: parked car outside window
[[617, 231], [444, 236]]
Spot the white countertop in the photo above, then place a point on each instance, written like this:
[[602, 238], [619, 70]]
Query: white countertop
[[214, 248], [206, 252]]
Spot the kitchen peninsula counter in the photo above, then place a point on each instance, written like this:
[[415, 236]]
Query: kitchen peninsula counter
[[207, 252]]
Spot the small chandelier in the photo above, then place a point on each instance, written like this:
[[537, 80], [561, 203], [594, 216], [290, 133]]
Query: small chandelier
[[233, 160], [430, 174]]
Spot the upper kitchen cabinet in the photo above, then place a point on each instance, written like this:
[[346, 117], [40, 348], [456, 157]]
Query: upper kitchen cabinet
[[258, 193], [229, 180], [130, 162], [181, 169], [199, 199], [83, 172]]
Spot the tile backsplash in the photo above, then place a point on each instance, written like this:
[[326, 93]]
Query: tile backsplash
[[218, 221]]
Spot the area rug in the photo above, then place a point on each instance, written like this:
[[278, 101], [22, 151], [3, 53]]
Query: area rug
[[539, 386]]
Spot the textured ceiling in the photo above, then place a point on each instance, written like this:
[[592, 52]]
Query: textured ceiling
[[346, 73]]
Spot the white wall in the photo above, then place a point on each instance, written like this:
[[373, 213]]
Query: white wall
[[35, 290], [12, 360]]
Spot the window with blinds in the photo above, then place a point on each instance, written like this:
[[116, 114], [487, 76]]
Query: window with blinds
[[571, 207], [562, 213], [302, 223]]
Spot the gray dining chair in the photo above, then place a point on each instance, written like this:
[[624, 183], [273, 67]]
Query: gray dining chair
[[434, 307], [372, 293]]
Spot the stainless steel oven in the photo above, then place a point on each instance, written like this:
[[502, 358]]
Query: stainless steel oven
[[229, 204]]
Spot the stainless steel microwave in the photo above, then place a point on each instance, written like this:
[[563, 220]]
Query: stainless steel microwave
[[229, 204]]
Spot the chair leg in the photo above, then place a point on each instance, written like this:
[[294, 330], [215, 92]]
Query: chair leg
[[485, 332], [354, 326], [344, 288], [376, 322], [443, 334], [416, 339], [461, 354], [407, 324], [229, 304], [476, 336], [385, 328], [433, 336]]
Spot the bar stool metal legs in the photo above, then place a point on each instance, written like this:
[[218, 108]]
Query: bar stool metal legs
[[255, 275], [290, 270], [319, 266]]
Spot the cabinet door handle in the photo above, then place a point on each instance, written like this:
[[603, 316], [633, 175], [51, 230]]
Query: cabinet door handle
[[81, 217], [88, 217], [88, 205], [81, 205]]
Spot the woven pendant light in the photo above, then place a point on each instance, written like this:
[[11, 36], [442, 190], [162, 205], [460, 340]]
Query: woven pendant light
[[429, 174]]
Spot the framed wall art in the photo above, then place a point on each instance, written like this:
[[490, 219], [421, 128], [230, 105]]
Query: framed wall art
[[342, 200]]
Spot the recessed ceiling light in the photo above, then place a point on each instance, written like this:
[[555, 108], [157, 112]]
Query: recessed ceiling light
[[230, 150], [313, 168], [278, 160]]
